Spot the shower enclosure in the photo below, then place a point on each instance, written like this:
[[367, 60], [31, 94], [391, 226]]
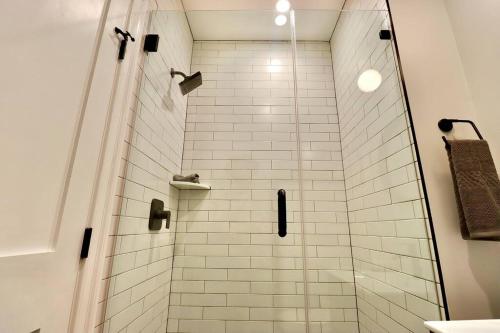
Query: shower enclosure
[[313, 107]]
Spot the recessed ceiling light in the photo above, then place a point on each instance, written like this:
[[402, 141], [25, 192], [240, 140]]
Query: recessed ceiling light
[[283, 6], [369, 80], [280, 20]]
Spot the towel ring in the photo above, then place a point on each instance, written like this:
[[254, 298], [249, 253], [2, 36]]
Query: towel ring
[[446, 125]]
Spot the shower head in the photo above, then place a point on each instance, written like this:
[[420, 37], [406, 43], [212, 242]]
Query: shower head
[[189, 83]]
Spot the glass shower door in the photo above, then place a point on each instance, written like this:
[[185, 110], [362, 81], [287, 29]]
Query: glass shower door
[[368, 236], [242, 120]]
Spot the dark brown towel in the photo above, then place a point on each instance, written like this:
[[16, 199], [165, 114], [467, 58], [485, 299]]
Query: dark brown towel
[[477, 188]]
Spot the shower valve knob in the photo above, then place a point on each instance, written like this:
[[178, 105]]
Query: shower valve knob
[[157, 214]]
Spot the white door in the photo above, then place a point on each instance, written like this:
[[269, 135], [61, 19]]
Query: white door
[[58, 70]]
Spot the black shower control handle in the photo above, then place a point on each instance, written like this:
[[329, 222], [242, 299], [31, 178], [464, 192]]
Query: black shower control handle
[[157, 214], [162, 215]]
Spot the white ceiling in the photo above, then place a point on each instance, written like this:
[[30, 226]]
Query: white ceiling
[[254, 19], [255, 25], [259, 4]]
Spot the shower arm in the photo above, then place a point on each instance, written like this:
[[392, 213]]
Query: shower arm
[[173, 73]]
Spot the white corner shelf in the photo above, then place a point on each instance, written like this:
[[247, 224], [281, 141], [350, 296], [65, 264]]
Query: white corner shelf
[[189, 186]]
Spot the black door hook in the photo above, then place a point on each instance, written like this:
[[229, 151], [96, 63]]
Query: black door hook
[[123, 43]]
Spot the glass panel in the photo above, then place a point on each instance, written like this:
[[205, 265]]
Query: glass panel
[[241, 138], [366, 205]]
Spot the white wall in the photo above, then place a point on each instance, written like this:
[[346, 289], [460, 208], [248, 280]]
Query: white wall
[[136, 282], [476, 26], [438, 87]]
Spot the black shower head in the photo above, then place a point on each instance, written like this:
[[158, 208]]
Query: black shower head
[[189, 83]]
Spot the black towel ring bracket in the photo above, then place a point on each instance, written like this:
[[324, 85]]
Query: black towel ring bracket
[[446, 125]]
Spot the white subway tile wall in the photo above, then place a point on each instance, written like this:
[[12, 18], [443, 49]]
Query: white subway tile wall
[[393, 262], [232, 272], [136, 287]]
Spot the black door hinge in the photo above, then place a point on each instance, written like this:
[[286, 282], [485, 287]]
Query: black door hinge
[[87, 235]]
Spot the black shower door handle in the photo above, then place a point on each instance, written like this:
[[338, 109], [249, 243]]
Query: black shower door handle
[[282, 213]]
